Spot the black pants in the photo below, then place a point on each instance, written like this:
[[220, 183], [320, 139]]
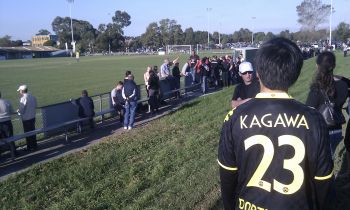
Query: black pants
[[153, 99], [6, 131], [347, 137], [119, 108], [29, 125]]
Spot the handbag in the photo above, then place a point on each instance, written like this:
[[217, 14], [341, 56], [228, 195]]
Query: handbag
[[331, 116]]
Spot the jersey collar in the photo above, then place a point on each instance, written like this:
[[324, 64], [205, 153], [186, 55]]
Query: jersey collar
[[273, 95]]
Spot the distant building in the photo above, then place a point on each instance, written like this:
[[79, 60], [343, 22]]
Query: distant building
[[39, 40], [26, 52]]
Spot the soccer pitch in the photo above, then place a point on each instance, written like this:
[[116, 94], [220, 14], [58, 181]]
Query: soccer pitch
[[54, 80]]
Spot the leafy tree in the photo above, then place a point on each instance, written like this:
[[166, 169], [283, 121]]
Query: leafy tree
[[84, 32], [189, 36], [243, 35], [121, 19], [342, 31], [201, 37], [259, 36], [43, 32], [312, 13], [5, 41], [269, 36], [49, 43], [152, 38], [286, 34], [178, 34]]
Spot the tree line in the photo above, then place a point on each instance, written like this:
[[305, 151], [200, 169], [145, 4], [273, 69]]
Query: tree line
[[111, 36]]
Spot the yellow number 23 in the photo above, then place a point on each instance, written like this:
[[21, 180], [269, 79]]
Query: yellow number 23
[[288, 164]]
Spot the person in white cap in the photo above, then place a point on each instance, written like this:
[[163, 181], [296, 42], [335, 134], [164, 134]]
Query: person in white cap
[[248, 89], [26, 110]]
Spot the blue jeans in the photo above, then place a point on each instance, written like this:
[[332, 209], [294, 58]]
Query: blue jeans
[[193, 73], [129, 116], [204, 84], [335, 137]]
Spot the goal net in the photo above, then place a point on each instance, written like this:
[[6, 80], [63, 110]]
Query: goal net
[[176, 49]]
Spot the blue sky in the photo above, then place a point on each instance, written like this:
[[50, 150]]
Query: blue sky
[[23, 18]]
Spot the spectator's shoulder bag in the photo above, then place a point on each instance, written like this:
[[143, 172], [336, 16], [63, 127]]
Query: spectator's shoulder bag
[[329, 113]]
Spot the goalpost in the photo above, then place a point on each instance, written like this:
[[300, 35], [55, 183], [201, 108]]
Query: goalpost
[[172, 49]]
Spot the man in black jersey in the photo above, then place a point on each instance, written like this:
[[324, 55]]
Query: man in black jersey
[[248, 88], [274, 151]]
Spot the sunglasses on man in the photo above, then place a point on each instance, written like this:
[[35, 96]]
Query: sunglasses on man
[[247, 72]]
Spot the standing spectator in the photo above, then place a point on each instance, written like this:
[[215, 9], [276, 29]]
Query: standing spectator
[[194, 58], [129, 93], [86, 108], [26, 110], [266, 161], [345, 49], [118, 100], [204, 73], [176, 75], [153, 83], [6, 128], [146, 77], [165, 69], [248, 89], [324, 84], [225, 73], [155, 69], [214, 73], [77, 56]]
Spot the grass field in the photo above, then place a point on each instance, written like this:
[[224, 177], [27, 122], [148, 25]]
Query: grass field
[[169, 163]]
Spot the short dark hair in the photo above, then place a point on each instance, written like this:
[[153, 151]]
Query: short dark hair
[[278, 63], [127, 73], [84, 93]]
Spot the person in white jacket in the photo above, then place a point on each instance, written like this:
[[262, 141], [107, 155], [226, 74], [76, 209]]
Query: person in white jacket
[[27, 111]]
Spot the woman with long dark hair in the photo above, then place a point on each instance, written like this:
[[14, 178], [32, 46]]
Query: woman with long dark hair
[[326, 85]]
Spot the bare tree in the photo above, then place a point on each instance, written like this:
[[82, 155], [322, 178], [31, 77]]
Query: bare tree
[[312, 13]]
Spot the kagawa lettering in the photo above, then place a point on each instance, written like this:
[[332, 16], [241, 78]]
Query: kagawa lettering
[[271, 121]]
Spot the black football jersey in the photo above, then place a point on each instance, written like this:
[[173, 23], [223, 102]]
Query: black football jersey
[[279, 149]]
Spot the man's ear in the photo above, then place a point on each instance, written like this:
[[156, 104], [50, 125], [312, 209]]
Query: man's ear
[[257, 75]]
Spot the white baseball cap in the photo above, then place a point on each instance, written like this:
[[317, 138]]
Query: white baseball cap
[[22, 87], [245, 66]]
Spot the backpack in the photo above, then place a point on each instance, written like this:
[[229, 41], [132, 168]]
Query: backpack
[[331, 116]]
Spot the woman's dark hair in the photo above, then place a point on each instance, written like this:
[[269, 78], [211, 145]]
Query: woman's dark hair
[[323, 79], [127, 73], [278, 63]]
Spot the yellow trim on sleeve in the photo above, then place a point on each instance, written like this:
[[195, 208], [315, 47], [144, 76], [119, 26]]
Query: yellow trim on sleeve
[[324, 177], [227, 168], [229, 114]]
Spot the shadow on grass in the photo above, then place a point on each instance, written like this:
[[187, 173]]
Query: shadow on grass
[[189, 105], [218, 205]]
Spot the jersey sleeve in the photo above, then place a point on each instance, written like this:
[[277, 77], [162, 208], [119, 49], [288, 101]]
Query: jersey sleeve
[[226, 156], [324, 164], [323, 174]]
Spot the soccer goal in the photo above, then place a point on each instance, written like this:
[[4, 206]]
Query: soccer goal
[[176, 49]]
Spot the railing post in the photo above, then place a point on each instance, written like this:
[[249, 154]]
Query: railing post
[[102, 116]]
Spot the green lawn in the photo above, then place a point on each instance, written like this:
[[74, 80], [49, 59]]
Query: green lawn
[[54, 80], [169, 163]]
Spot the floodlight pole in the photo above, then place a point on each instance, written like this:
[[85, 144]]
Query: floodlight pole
[[253, 18], [71, 24], [330, 25], [208, 10], [109, 39]]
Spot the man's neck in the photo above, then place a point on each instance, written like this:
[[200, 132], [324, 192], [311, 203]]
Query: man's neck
[[264, 89]]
